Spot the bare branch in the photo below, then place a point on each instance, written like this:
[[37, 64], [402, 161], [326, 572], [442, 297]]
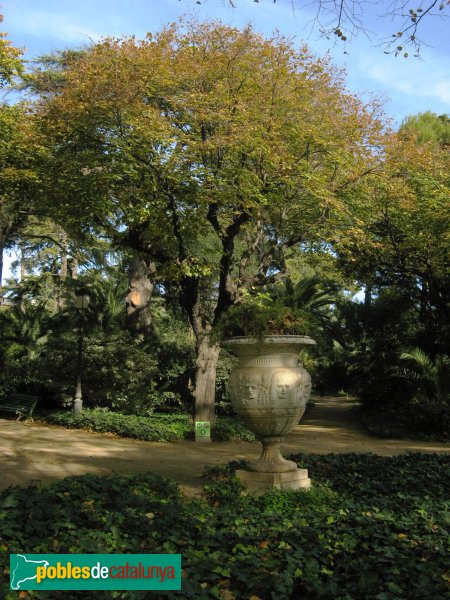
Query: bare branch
[[345, 19]]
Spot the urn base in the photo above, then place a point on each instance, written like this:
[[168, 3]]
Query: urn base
[[260, 482], [271, 460]]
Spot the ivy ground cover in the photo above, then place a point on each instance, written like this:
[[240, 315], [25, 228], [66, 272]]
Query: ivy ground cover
[[371, 528]]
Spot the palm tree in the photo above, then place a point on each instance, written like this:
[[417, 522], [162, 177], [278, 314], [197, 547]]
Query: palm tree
[[315, 296], [436, 372], [107, 290]]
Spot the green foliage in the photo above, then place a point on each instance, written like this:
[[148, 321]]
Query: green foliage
[[47, 76], [397, 395], [226, 362], [400, 255], [436, 372], [428, 127], [107, 293], [231, 429], [21, 152], [11, 64], [309, 292], [259, 316], [371, 527], [316, 297], [120, 371], [117, 373], [155, 428]]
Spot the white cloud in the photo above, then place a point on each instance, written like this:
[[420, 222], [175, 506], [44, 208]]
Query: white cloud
[[428, 79], [442, 91], [40, 26], [56, 27]]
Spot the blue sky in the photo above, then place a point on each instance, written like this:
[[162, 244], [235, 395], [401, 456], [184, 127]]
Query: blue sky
[[407, 86]]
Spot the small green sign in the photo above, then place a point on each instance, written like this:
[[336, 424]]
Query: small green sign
[[203, 430], [95, 571]]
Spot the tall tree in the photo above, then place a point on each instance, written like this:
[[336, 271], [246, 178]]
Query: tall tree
[[403, 238], [10, 66], [212, 152], [20, 153], [429, 127]]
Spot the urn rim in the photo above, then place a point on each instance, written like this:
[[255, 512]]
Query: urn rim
[[242, 340]]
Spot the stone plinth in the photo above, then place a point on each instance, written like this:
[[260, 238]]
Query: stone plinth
[[256, 481]]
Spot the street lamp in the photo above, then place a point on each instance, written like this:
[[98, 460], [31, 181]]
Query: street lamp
[[82, 300]]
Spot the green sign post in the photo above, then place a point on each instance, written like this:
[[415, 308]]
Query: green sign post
[[203, 431]]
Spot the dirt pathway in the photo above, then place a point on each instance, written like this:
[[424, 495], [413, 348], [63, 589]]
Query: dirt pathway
[[31, 451]]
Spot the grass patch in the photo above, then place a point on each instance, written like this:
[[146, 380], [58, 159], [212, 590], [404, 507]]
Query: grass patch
[[155, 428], [371, 528]]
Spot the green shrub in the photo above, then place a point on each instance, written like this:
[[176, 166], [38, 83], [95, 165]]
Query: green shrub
[[226, 362], [231, 428], [155, 428], [396, 393], [121, 371], [159, 428]]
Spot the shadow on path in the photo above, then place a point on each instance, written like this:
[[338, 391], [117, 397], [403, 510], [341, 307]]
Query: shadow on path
[[38, 452]]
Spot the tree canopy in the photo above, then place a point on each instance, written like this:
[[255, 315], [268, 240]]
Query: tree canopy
[[209, 150], [209, 165], [10, 60]]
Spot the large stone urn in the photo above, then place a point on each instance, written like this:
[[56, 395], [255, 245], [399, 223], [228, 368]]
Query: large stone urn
[[269, 391]]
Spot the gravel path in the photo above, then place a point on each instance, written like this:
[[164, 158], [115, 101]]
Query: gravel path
[[37, 452]]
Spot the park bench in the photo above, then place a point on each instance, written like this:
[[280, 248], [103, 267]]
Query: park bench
[[20, 404]]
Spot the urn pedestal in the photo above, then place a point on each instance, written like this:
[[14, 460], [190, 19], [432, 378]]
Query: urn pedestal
[[269, 391]]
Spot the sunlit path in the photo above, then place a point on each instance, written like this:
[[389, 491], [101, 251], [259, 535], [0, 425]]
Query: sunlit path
[[34, 452]]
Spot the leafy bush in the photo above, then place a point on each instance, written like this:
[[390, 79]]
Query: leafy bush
[[225, 363], [121, 370], [420, 418], [118, 371], [371, 528], [231, 428], [156, 428], [392, 390]]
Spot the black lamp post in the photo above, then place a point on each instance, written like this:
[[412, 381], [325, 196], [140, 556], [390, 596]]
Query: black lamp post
[[82, 300]]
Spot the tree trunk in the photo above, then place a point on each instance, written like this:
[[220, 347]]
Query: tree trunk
[[2, 249], [23, 265], [207, 354], [368, 297], [64, 250], [74, 267], [1, 267], [60, 300], [139, 318], [205, 379]]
